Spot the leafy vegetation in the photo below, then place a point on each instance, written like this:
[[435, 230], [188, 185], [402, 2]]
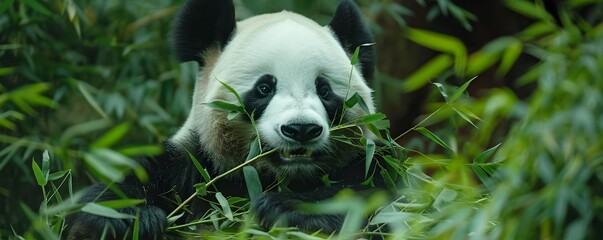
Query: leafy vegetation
[[87, 87]]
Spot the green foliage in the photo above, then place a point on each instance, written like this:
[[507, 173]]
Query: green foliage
[[86, 87]]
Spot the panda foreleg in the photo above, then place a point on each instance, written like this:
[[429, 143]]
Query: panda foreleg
[[282, 208], [83, 225]]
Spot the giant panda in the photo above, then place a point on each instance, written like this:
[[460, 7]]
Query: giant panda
[[293, 75]]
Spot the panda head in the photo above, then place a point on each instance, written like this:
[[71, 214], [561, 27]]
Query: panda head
[[292, 74]]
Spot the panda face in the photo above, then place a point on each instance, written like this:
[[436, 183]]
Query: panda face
[[293, 76]]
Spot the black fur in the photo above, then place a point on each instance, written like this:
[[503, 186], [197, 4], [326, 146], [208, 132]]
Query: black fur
[[256, 102], [351, 31], [202, 24], [332, 102]]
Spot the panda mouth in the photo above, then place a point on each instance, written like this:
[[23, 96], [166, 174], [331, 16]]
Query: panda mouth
[[296, 154]]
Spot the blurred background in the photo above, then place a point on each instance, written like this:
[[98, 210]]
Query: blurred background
[[521, 79]]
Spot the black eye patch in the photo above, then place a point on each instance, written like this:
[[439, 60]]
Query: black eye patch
[[257, 99], [332, 102]]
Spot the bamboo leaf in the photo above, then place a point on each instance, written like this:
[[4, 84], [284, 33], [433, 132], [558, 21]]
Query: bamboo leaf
[[99, 210], [463, 116], [354, 59], [230, 89], [254, 148], [225, 206], [356, 99], [509, 57], [442, 43], [252, 180], [461, 90], [370, 151], [371, 118], [121, 203], [45, 164], [427, 72], [111, 137], [200, 189], [200, 168], [224, 106], [442, 90], [136, 230], [482, 157], [147, 150], [38, 173], [433, 137], [90, 99]]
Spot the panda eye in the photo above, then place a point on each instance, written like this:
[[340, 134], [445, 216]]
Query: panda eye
[[264, 89], [324, 91]]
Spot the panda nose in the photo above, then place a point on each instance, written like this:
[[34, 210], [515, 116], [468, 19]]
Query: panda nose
[[301, 132]]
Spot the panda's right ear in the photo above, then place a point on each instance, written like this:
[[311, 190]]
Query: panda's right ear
[[200, 25]]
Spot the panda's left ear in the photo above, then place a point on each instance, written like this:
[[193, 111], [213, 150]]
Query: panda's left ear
[[351, 31], [200, 25]]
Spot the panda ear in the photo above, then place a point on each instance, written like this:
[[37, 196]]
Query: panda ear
[[351, 31], [202, 24]]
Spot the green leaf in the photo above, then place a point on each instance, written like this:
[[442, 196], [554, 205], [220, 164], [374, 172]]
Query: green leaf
[[146, 150], [232, 114], [38, 173], [201, 189], [254, 148], [233, 92], [427, 72], [111, 137], [356, 99], [354, 59], [113, 165], [538, 29], [225, 206], [445, 197], [482, 157], [119, 160], [121, 203], [396, 217], [103, 168], [482, 175], [35, 5], [136, 230], [200, 168], [529, 9], [433, 137], [442, 90], [7, 70], [90, 99], [480, 61], [57, 175], [171, 220], [252, 180], [5, 5], [83, 129], [461, 90], [462, 115], [225, 106], [387, 179], [370, 151], [99, 210], [443, 43], [45, 164], [509, 58], [371, 118]]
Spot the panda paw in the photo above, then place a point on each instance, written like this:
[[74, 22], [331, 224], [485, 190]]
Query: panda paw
[[280, 209], [152, 223]]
